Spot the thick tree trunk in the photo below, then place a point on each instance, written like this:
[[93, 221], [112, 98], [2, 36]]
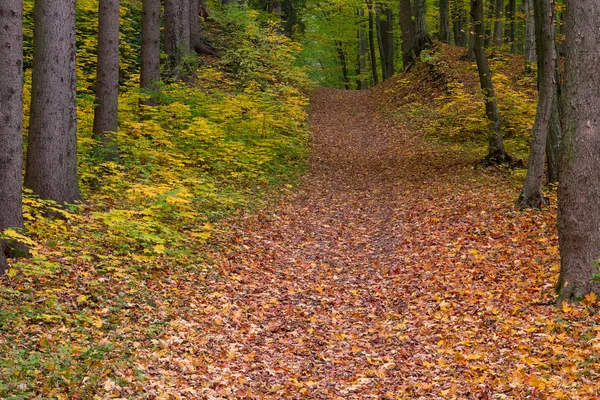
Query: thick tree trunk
[[11, 115], [176, 32], [530, 46], [459, 18], [372, 50], [407, 26], [444, 34], [579, 189], [496, 151], [51, 167], [421, 34], [380, 27], [531, 195], [498, 24], [361, 62], [106, 113], [150, 71], [194, 18]]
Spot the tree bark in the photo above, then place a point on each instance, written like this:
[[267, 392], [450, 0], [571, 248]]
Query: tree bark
[[150, 71], [498, 24], [496, 151], [407, 26], [11, 117], [389, 41], [459, 18], [578, 192], [106, 112], [444, 34], [343, 63], [51, 167], [531, 195], [512, 26], [176, 32], [361, 62], [530, 46], [380, 27], [372, 49], [471, 50], [422, 37]]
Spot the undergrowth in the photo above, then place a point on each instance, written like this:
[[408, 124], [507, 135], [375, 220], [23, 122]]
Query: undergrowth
[[229, 138]]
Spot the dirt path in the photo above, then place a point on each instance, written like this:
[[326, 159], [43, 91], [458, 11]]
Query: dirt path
[[367, 282]]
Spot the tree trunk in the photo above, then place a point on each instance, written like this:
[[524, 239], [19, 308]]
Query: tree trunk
[[389, 41], [372, 49], [150, 71], [194, 18], [380, 27], [512, 26], [51, 167], [459, 18], [496, 151], [361, 62], [422, 37], [407, 26], [553, 142], [531, 195], [176, 32], [11, 114], [530, 46], [471, 50], [498, 24], [444, 34], [343, 64], [578, 199], [106, 112]]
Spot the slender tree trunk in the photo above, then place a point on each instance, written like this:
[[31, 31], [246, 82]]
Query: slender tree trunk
[[389, 41], [150, 71], [489, 24], [372, 49], [361, 62], [530, 46], [459, 18], [531, 195], [512, 26], [471, 50], [106, 113], [407, 26], [343, 64], [578, 192], [496, 151], [422, 37], [51, 167], [498, 24], [444, 34], [11, 115], [380, 27]]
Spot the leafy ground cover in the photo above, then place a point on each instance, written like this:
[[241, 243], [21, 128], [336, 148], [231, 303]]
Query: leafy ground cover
[[396, 270]]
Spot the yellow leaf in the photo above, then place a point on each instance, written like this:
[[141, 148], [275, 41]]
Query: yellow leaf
[[97, 322], [589, 299], [159, 249]]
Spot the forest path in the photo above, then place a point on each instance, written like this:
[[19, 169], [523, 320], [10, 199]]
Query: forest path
[[383, 276]]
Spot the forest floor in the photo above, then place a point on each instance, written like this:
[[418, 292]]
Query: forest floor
[[397, 270]]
